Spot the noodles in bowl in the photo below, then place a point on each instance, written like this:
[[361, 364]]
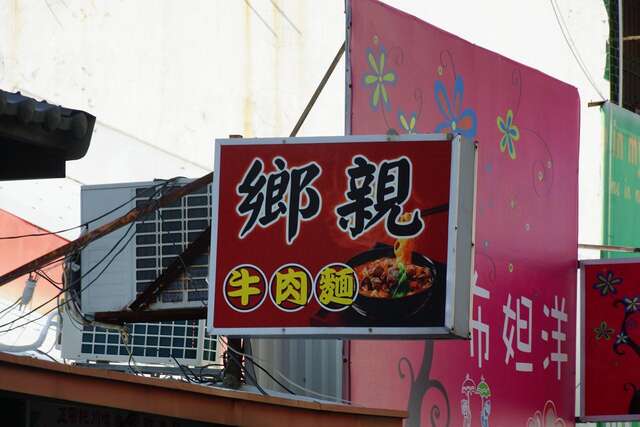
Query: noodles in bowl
[[385, 295]]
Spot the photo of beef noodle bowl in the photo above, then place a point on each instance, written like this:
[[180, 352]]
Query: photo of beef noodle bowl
[[395, 283], [386, 278]]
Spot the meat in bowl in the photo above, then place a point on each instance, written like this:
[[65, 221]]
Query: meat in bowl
[[390, 278]]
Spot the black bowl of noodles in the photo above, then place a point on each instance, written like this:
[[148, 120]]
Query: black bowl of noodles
[[390, 292]]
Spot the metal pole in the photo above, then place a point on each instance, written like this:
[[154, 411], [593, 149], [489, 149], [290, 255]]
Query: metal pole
[[315, 95], [620, 51], [611, 248], [233, 364]]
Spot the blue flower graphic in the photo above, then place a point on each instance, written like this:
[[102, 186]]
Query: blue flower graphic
[[606, 284], [456, 120], [510, 134], [378, 78]]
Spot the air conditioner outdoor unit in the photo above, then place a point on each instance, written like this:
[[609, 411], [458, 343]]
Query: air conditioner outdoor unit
[[117, 267], [150, 343], [154, 242]]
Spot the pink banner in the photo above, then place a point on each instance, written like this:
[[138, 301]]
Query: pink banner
[[611, 339], [519, 367]]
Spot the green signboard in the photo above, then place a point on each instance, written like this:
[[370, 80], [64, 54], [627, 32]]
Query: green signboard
[[621, 179]]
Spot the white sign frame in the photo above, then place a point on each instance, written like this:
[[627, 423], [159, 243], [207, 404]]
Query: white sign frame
[[460, 251]]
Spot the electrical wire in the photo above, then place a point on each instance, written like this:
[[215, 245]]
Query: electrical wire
[[203, 367], [235, 360], [9, 307], [86, 223], [197, 378], [284, 377], [184, 372], [11, 327], [47, 355], [574, 51], [124, 337], [44, 274], [253, 362], [75, 308], [175, 246], [48, 279], [51, 264], [77, 280]]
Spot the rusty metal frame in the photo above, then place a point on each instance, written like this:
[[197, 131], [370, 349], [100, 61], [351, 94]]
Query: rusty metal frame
[[128, 316], [176, 399]]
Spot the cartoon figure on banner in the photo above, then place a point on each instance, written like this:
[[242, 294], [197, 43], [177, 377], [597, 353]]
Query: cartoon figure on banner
[[485, 393], [469, 389]]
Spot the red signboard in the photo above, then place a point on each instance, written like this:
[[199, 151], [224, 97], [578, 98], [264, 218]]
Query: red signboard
[[611, 340], [342, 236], [519, 367]]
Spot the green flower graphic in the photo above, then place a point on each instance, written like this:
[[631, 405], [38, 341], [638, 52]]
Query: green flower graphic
[[510, 134], [378, 78], [408, 123], [603, 331]]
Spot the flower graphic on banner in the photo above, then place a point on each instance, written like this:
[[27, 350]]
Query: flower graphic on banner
[[622, 338], [378, 78], [606, 284], [456, 120], [603, 331], [631, 309], [631, 305], [510, 134], [408, 123], [547, 418]]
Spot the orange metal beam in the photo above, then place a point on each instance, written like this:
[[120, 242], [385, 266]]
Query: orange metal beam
[[179, 400]]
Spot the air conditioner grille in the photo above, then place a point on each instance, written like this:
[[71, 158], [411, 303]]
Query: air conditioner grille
[[177, 339], [163, 235]]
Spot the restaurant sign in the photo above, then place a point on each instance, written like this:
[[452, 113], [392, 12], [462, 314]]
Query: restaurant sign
[[342, 236], [610, 294]]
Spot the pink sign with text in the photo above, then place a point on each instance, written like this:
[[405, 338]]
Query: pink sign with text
[[519, 367]]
